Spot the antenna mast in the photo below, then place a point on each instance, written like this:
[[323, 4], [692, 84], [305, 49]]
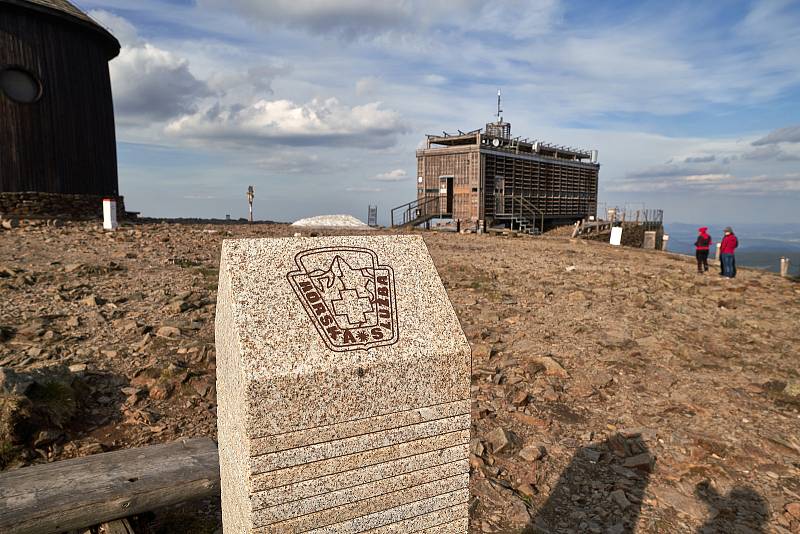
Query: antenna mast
[[499, 129]]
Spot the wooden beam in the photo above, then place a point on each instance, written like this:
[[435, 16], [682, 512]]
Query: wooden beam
[[77, 493]]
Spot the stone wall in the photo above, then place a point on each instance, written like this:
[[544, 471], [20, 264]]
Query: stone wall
[[33, 205]]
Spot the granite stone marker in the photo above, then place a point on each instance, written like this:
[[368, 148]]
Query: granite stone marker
[[649, 240], [343, 388]]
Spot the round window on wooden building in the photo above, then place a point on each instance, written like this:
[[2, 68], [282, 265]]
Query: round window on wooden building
[[19, 85]]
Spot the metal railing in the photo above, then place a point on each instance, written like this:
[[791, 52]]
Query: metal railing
[[529, 211], [414, 210], [521, 208]]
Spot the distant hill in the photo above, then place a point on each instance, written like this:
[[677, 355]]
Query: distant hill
[[760, 245]]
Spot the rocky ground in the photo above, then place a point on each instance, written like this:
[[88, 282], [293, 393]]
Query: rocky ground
[[614, 390]]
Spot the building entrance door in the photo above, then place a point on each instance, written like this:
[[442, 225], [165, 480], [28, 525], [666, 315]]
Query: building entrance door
[[446, 194]]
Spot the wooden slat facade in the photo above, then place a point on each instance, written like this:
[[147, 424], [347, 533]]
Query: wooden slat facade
[[562, 189], [463, 165], [64, 142]]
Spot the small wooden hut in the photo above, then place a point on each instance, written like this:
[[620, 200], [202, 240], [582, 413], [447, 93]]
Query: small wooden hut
[[57, 143]]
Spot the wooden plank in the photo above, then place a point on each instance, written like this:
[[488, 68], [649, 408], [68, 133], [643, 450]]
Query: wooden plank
[[86, 491]]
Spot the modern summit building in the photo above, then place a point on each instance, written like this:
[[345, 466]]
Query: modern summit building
[[490, 178]]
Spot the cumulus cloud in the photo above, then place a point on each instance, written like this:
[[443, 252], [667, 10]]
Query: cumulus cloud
[[789, 134], [149, 83], [283, 122], [156, 88], [154, 84], [397, 175], [124, 31]]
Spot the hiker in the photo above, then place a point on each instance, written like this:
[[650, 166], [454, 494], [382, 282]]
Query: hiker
[[701, 246], [726, 250]]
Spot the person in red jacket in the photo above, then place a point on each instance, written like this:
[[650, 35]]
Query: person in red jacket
[[701, 246], [726, 250]]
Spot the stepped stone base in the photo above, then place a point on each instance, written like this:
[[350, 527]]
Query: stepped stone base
[[36, 205]]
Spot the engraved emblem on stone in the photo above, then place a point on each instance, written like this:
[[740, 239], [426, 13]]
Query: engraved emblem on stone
[[348, 296]]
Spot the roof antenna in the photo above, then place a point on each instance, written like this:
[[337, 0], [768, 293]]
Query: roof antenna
[[499, 111]]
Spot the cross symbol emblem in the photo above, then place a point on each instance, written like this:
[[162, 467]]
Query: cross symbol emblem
[[351, 305]]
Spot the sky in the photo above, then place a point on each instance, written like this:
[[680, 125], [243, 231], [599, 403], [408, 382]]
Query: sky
[[694, 107]]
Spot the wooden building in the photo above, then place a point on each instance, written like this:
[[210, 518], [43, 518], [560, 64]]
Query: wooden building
[[56, 113], [487, 177]]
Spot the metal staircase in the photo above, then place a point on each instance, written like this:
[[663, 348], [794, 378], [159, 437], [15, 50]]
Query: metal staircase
[[521, 214], [416, 212]]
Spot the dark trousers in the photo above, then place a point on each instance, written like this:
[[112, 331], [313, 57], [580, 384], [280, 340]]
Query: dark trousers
[[702, 260], [728, 265]]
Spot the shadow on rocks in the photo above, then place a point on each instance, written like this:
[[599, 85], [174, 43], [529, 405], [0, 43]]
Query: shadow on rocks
[[741, 510], [47, 409], [600, 491]]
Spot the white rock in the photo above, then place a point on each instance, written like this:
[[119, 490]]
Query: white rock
[[333, 221]]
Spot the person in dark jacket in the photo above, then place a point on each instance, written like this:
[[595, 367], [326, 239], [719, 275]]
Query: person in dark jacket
[[726, 250], [701, 246]]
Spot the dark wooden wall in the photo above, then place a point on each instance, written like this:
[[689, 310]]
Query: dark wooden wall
[[65, 142]]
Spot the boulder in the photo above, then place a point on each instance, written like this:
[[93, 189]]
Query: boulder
[[644, 462], [551, 367], [168, 332], [619, 497], [501, 439], [533, 452]]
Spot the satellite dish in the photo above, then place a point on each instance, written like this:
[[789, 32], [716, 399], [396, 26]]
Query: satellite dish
[[419, 179], [495, 142]]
